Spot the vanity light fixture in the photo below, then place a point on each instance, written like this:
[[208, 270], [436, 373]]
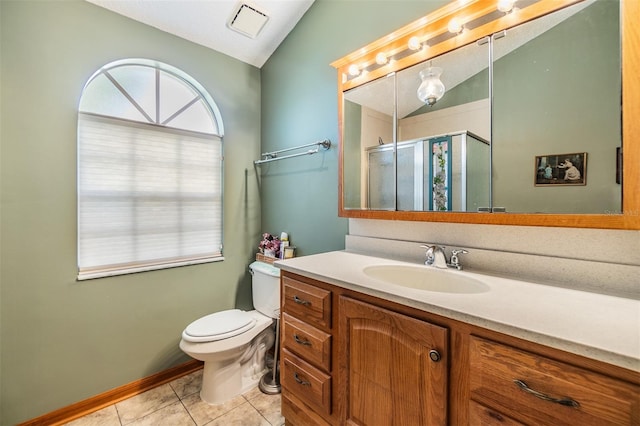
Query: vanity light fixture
[[414, 44], [381, 58], [455, 26], [506, 6], [432, 88]]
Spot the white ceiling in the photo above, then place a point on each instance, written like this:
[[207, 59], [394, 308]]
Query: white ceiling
[[205, 22]]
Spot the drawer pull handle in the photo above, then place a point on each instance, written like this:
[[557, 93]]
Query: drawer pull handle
[[300, 341], [566, 401], [496, 416], [300, 381], [301, 301]]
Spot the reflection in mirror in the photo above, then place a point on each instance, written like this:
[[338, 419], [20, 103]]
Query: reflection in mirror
[[556, 128], [442, 150], [557, 97], [556, 100], [451, 161], [368, 122]]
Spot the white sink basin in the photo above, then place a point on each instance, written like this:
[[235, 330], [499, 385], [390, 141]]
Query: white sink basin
[[426, 278]]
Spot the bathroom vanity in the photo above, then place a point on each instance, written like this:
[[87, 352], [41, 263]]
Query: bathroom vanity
[[362, 344], [358, 349]]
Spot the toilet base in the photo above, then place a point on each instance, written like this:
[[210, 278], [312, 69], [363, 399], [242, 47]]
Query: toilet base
[[224, 380]]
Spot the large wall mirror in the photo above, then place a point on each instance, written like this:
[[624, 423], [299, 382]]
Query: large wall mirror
[[529, 130]]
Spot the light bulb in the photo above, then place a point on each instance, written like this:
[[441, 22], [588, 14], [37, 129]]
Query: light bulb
[[381, 58], [506, 6], [431, 89], [354, 70], [454, 26], [414, 43]]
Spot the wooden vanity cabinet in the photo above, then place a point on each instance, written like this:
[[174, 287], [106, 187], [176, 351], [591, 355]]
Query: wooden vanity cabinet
[[349, 358], [395, 367], [347, 361]]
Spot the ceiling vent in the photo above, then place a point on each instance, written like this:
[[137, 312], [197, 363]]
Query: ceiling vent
[[247, 20]]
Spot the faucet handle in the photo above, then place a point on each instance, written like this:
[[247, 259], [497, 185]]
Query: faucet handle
[[431, 253], [430, 258], [455, 260], [433, 247]]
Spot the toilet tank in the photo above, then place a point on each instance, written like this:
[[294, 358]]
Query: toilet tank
[[266, 288]]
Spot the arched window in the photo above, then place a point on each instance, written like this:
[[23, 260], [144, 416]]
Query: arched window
[[150, 160]]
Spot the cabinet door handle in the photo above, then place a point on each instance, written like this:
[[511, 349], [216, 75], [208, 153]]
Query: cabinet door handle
[[301, 301], [566, 401], [300, 381], [434, 355], [303, 342]]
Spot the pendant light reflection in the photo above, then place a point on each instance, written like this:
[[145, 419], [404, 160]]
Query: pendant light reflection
[[431, 89]]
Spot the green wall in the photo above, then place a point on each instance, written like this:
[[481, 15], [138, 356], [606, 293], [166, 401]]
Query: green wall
[[62, 340], [300, 106]]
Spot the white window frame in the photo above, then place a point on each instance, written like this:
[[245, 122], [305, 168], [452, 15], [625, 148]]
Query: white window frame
[[94, 261]]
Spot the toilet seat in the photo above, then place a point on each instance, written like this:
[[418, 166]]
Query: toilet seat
[[218, 326]]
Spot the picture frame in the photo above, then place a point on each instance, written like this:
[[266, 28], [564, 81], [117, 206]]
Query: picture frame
[[561, 169]]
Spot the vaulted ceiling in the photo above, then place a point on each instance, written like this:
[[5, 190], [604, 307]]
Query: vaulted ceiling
[[207, 22]]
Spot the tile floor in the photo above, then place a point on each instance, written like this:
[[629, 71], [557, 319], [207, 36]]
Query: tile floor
[[178, 403]]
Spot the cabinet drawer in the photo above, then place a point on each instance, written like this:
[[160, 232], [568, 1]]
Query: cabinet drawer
[[306, 341], [548, 392], [298, 414], [307, 302], [479, 415], [306, 382]]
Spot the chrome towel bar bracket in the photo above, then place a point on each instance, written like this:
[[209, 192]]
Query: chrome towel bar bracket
[[274, 155]]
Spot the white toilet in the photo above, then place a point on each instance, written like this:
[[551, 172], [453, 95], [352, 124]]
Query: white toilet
[[233, 343]]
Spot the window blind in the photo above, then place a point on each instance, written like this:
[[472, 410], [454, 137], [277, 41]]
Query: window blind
[[149, 197]]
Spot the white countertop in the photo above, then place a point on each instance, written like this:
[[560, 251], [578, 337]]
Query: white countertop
[[605, 328]]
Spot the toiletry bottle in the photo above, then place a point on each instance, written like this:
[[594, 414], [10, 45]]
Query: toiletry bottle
[[284, 242]]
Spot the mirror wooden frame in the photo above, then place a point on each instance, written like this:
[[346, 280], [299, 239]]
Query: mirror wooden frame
[[436, 23]]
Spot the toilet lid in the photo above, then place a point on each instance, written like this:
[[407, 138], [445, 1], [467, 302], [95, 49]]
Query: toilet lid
[[218, 326]]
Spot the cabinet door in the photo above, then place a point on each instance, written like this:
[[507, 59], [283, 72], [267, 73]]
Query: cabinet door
[[394, 367]]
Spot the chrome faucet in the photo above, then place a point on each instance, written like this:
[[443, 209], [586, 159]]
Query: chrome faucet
[[437, 257]]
